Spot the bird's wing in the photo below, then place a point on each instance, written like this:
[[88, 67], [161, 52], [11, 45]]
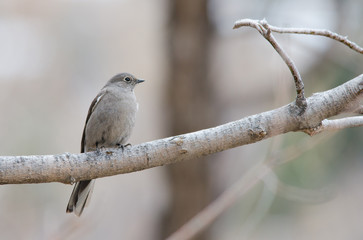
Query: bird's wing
[[90, 111]]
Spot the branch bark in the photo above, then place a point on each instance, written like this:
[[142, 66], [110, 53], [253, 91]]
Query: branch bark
[[69, 168]]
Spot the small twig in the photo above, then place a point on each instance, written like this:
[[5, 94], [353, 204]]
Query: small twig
[[300, 98], [319, 32], [264, 29], [336, 124]]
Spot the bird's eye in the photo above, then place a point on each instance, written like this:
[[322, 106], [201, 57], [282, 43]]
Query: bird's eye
[[127, 79]]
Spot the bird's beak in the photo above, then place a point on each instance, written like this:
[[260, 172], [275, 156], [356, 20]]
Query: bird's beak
[[139, 81]]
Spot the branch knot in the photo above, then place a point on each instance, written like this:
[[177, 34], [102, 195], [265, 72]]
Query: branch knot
[[257, 133]]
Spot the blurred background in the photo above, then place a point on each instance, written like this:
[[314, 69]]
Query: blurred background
[[56, 55]]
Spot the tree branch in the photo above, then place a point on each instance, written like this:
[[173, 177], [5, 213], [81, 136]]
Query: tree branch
[[319, 32], [264, 29], [69, 168], [336, 124]]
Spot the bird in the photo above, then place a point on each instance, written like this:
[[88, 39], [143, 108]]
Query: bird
[[109, 122]]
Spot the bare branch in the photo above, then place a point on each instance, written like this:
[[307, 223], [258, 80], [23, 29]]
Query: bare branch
[[264, 28], [319, 32], [336, 124], [68, 168]]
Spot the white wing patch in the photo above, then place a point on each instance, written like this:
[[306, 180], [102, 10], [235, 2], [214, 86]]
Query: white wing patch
[[97, 101]]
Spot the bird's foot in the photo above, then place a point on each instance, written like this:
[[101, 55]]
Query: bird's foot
[[123, 146]]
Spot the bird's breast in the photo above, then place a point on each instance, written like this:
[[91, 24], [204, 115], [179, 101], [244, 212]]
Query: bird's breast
[[112, 121]]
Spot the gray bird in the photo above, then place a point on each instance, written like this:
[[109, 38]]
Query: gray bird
[[110, 119]]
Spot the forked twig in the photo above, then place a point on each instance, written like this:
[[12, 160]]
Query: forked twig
[[265, 30]]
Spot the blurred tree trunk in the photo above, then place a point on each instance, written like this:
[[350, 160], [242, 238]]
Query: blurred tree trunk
[[190, 103]]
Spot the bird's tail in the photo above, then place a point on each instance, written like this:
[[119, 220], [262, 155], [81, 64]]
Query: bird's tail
[[80, 196]]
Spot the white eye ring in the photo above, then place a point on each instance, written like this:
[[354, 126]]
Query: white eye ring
[[127, 79]]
